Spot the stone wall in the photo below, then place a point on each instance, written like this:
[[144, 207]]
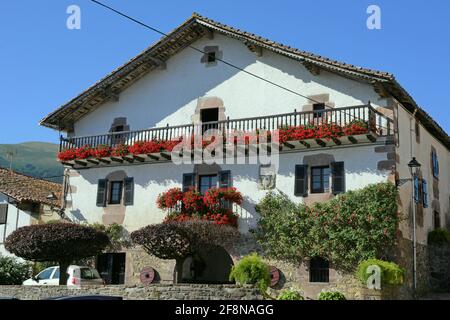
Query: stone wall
[[151, 292], [439, 264]]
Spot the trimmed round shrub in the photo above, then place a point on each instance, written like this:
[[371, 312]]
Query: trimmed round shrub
[[205, 234], [290, 295], [391, 273], [164, 240], [56, 242], [331, 295], [61, 242], [13, 271], [251, 270], [439, 237]]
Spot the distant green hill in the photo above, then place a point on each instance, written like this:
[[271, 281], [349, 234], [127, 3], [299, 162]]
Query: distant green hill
[[37, 159]]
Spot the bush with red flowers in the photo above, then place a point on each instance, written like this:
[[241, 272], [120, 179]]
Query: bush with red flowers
[[120, 150], [356, 127], [102, 151], [84, 152], [67, 155], [192, 205]]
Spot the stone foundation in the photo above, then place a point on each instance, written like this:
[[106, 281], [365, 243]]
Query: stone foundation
[[151, 292]]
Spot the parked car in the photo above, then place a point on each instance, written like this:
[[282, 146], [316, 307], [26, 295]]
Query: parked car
[[77, 276], [47, 277]]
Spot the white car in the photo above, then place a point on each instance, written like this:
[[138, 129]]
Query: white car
[[78, 276]]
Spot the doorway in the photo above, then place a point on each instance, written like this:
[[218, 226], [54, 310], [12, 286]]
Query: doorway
[[209, 265], [209, 119], [111, 267]]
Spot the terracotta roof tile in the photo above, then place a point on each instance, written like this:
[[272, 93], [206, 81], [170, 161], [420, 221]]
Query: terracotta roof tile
[[25, 188]]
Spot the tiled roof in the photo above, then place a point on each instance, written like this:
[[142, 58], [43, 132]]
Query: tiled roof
[[196, 27], [24, 188]]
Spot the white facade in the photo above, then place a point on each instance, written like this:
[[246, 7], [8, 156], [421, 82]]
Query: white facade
[[16, 218], [170, 96], [152, 179]]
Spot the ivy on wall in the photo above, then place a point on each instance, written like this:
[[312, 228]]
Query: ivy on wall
[[347, 229]]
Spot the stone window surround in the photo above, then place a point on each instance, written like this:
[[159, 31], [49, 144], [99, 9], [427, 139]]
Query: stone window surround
[[114, 213], [320, 98], [210, 49], [208, 103], [120, 121], [317, 160]]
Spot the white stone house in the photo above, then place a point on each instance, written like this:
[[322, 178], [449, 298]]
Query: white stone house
[[171, 88], [24, 201]]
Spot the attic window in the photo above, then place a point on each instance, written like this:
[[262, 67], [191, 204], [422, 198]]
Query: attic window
[[211, 57]]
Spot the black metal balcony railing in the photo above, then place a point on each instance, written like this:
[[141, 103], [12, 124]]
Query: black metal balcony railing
[[339, 116]]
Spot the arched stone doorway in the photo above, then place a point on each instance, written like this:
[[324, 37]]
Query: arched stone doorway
[[207, 265]]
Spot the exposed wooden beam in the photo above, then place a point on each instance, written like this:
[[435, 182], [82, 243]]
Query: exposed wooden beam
[[115, 159], [158, 62], [306, 144], [290, 146], [104, 161], [128, 159], [312, 68], [93, 161], [352, 139], [337, 141], [81, 163], [254, 48], [166, 156], [209, 33], [137, 158], [321, 143], [109, 93], [153, 157]]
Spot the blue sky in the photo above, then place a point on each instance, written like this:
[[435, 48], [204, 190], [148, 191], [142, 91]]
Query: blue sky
[[43, 64]]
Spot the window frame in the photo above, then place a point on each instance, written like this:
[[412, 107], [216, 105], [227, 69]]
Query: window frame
[[320, 271], [318, 113], [322, 179], [210, 176], [110, 189]]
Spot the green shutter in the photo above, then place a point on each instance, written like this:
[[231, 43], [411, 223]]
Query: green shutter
[[129, 191], [225, 179], [337, 177], [301, 180], [101, 192], [188, 181]]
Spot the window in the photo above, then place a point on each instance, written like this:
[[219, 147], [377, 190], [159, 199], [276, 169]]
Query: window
[[319, 270], [118, 129], [320, 179], [436, 220], [115, 194], [207, 182], [417, 131], [56, 274], [46, 274], [211, 57], [209, 117], [318, 110]]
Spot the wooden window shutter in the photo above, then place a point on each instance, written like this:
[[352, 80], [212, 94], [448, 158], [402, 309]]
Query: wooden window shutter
[[337, 177], [416, 189], [129, 191], [424, 194], [301, 180], [101, 192], [3, 213], [188, 181], [225, 179]]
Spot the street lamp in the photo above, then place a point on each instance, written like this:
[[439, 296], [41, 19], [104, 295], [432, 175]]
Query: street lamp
[[414, 167]]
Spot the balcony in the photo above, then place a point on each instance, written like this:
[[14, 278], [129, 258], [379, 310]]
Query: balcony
[[296, 131]]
